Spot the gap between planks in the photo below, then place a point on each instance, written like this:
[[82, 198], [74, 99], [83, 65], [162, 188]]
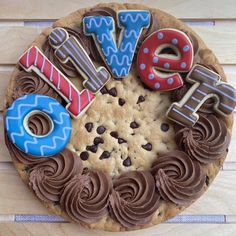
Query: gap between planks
[[49, 9], [179, 219]]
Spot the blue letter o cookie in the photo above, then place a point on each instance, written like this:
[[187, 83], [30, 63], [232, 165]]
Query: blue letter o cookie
[[50, 144]]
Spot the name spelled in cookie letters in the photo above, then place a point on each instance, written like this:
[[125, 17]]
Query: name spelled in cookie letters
[[119, 60], [206, 84], [151, 61], [68, 48], [78, 102]]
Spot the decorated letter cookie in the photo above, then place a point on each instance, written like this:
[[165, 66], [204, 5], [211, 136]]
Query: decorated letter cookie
[[18, 131], [119, 56], [151, 62], [68, 48], [34, 59], [206, 84]]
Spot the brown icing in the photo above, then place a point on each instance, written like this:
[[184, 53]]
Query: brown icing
[[85, 197], [206, 84], [49, 177], [18, 156], [39, 124], [68, 48], [134, 200], [206, 141], [26, 83], [67, 68], [179, 179], [177, 95]]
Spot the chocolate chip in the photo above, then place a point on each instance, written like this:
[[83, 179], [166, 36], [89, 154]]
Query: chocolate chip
[[165, 127], [105, 155], [104, 90], [114, 134], [101, 129], [127, 162], [207, 181], [84, 155], [89, 126], [113, 92], [118, 79], [121, 101], [92, 148], [147, 146], [140, 99], [134, 125], [98, 140], [121, 140]]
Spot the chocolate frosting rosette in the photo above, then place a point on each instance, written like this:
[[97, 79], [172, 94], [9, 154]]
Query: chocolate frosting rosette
[[179, 179], [85, 197], [133, 200], [49, 177], [207, 141]]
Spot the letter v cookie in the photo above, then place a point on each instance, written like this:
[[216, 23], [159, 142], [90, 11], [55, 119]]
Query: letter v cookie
[[206, 84], [68, 48]]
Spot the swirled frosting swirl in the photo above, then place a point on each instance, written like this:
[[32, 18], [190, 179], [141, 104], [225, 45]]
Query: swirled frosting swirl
[[38, 124], [179, 179], [134, 200], [18, 156], [85, 197], [48, 178], [30, 83], [206, 141]]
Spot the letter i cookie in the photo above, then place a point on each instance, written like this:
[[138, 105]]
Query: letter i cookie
[[151, 61], [68, 48], [78, 102], [206, 84]]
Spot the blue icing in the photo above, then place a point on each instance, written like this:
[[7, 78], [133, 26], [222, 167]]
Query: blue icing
[[48, 145], [160, 35], [170, 81], [151, 76], [167, 65], [146, 50], [186, 48], [142, 66], [102, 27], [155, 59], [183, 65], [157, 85], [174, 41]]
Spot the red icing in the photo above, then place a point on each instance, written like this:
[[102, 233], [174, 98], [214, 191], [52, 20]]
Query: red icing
[[149, 62], [34, 59]]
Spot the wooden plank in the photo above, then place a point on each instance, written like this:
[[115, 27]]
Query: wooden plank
[[47, 9], [16, 198], [221, 39], [4, 80], [13, 42], [62, 229], [15, 195]]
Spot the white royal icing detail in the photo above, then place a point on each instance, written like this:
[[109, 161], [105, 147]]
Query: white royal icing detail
[[101, 27]]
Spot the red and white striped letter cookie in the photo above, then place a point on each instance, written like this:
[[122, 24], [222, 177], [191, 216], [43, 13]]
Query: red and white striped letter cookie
[[78, 102]]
